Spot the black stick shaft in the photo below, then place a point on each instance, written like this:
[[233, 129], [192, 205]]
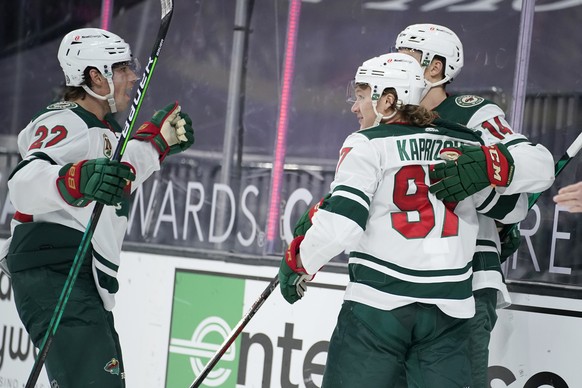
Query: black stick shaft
[[235, 332]]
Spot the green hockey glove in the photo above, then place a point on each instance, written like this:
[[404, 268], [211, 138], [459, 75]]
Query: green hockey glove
[[304, 222], [293, 280], [469, 169], [510, 244], [169, 131], [100, 180]]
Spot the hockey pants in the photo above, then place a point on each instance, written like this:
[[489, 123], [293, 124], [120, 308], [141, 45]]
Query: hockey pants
[[371, 348], [85, 351]]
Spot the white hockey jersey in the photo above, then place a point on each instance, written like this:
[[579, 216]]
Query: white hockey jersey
[[405, 245], [65, 133], [534, 172]]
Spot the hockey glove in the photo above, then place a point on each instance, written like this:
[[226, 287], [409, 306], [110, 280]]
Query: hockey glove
[[293, 280], [170, 131], [469, 169], [510, 244], [100, 180], [304, 222], [183, 132]]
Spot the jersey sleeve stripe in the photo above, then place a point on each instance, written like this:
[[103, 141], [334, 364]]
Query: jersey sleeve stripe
[[517, 141], [504, 205], [358, 193], [32, 157], [486, 261], [348, 207], [486, 243], [487, 201]]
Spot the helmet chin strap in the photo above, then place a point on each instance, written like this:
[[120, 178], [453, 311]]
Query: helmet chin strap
[[109, 97], [379, 116], [430, 85]]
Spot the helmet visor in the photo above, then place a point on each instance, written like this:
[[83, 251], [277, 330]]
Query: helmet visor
[[351, 96], [351, 92], [133, 65]]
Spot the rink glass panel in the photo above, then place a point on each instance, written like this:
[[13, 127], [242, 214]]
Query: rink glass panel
[[189, 208]]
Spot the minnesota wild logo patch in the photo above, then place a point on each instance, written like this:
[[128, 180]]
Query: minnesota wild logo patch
[[468, 101], [112, 367], [62, 105], [107, 147]]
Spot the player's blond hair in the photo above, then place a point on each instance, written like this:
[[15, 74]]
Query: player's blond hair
[[414, 114]]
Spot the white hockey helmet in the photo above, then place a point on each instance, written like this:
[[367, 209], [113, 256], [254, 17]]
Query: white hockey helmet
[[431, 40], [392, 70], [92, 47]]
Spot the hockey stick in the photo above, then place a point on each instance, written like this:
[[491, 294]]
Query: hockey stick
[[167, 9], [235, 332], [572, 151]]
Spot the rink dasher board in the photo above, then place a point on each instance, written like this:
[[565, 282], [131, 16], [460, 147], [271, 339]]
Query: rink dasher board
[[535, 340]]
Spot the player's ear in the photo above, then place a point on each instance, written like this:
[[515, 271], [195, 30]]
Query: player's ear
[[388, 101], [436, 69], [96, 77]]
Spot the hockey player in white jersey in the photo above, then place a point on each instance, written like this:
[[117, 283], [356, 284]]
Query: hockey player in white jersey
[[440, 52], [66, 168], [409, 297]]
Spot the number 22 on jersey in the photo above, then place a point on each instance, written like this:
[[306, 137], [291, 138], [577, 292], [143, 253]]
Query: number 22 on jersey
[[48, 138]]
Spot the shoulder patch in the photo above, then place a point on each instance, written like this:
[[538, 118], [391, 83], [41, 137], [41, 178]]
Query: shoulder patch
[[107, 148], [468, 101], [62, 105]]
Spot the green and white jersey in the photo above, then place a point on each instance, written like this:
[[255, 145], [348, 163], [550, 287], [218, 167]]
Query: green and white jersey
[[405, 245], [66, 133], [534, 164], [534, 172]]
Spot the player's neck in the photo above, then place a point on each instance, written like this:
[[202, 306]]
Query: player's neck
[[97, 107], [434, 98]]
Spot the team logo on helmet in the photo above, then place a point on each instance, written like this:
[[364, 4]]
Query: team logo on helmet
[[62, 105], [468, 101], [112, 367]]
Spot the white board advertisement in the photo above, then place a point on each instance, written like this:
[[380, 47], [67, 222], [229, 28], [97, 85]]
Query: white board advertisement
[[172, 314]]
